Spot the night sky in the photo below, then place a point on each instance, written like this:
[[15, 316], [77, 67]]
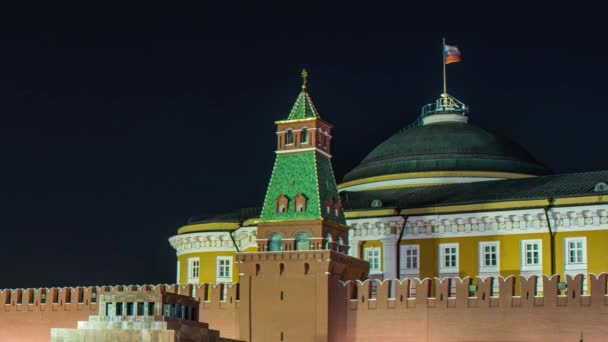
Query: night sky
[[120, 123]]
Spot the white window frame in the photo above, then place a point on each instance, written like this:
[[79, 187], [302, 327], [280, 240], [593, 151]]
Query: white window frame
[[445, 271], [537, 268], [366, 252], [194, 270], [414, 270], [218, 269], [528, 270], [569, 265], [489, 269], [575, 268]]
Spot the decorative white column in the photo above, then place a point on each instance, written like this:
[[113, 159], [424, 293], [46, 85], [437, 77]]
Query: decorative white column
[[389, 257], [354, 247]]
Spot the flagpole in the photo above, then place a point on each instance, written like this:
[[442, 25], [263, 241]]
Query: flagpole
[[445, 88]]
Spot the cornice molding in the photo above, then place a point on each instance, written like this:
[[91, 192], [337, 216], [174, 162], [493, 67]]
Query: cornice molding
[[204, 242], [507, 222]]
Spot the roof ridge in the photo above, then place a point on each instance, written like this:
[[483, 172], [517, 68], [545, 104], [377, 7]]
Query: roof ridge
[[303, 108]]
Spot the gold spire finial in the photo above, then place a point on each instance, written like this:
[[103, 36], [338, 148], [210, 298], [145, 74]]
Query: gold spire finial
[[304, 78]]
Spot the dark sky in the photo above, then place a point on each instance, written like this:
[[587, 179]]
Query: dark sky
[[118, 123]]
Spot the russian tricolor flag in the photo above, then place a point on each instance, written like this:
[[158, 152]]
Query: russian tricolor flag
[[452, 54]]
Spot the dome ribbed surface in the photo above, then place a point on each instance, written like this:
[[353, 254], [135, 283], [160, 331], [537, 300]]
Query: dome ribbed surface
[[446, 147]]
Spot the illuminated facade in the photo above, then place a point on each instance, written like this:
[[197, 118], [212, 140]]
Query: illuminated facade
[[440, 198]]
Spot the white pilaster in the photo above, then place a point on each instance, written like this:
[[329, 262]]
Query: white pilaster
[[389, 257], [354, 247]]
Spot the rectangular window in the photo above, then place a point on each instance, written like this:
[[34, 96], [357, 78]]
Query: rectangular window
[[151, 309], [489, 257], [410, 262], [575, 252], [224, 269], [532, 261], [193, 270], [575, 258], [372, 255], [448, 259], [531, 255]]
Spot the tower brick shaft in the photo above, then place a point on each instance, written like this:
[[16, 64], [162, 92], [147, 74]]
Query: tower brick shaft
[[288, 286]]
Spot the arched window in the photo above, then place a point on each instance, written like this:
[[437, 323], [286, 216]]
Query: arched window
[[328, 240], [600, 187], [304, 136], [275, 242], [289, 137], [302, 241]]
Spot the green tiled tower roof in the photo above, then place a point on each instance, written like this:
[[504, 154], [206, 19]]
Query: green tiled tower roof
[[307, 173], [304, 108]]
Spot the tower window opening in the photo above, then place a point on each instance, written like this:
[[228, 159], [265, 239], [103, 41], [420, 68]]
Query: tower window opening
[[43, 297], [289, 137], [328, 240], [302, 241], [299, 202], [304, 136], [275, 242], [282, 203]]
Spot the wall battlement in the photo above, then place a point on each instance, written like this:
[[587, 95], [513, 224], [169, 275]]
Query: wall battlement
[[86, 298], [414, 309], [448, 293], [29, 314]]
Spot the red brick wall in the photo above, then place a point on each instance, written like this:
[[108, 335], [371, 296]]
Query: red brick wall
[[481, 317], [394, 314]]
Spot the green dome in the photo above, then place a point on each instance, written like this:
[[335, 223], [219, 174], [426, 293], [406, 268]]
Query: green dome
[[446, 146]]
